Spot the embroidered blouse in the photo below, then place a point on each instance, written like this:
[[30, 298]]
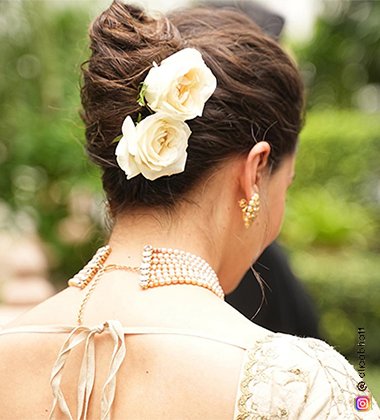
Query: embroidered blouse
[[281, 376]]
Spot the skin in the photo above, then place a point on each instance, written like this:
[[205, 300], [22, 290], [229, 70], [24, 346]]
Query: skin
[[214, 229], [211, 228]]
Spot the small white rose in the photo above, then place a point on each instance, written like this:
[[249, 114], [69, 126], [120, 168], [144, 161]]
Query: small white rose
[[181, 85], [155, 147]]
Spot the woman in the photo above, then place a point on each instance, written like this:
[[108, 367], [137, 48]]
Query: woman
[[194, 120]]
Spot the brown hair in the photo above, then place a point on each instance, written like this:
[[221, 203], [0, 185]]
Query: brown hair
[[259, 95]]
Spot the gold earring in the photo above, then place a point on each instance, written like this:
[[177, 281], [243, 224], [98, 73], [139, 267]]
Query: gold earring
[[250, 210]]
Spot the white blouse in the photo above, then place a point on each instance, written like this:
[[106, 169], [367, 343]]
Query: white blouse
[[281, 376], [289, 377]]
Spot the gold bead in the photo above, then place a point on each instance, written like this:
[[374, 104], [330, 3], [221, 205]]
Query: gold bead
[[250, 210]]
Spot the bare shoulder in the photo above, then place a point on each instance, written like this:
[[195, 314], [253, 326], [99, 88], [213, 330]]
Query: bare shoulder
[[237, 325], [213, 317], [183, 356], [50, 311]]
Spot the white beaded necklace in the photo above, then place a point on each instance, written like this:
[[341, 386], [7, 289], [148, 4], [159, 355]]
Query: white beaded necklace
[[159, 267]]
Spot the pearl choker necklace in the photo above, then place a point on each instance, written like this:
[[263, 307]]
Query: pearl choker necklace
[[159, 267]]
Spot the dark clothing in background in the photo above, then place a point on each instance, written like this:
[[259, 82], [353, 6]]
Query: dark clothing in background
[[287, 307], [269, 21]]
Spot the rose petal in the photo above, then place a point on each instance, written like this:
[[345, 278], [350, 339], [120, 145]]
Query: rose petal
[[172, 156], [126, 161], [129, 131], [127, 143], [128, 165], [147, 131], [181, 85]]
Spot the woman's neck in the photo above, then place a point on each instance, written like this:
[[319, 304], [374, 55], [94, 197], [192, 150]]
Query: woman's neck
[[131, 234], [210, 227]]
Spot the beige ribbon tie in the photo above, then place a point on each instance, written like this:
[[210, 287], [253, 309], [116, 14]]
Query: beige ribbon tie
[[87, 370]]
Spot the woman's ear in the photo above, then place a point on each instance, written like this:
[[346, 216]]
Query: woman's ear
[[255, 165]]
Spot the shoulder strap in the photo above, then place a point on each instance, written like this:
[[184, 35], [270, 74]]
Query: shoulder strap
[[38, 329], [243, 344], [87, 372]]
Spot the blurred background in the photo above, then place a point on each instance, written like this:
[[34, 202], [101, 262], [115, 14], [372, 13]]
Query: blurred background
[[51, 201]]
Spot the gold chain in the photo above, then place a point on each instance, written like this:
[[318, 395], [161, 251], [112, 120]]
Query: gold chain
[[102, 270]]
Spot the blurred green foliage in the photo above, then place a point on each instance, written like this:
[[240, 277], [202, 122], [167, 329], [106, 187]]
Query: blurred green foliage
[[345, 286], [334, 201], [43, 165], [332, 220], [332, 223], [341, 66]]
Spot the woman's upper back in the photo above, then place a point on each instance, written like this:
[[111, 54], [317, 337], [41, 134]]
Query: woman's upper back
[[161, 376], [245, 373]]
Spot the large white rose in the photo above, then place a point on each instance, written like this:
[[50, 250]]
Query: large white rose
[[154, 147], [181, 85]]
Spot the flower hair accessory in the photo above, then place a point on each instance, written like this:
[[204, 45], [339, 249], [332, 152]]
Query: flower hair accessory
[[177, 91]]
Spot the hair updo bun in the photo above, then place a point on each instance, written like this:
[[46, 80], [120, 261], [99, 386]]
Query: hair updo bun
[[259, 95]]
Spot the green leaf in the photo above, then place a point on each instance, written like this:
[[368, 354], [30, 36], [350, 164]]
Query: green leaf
[[117, 139], [139, 117], [140, 96]]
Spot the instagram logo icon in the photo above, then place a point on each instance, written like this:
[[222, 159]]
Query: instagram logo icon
[[362, 403]]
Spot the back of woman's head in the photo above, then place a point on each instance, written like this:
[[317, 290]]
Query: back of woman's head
[[259, 95]]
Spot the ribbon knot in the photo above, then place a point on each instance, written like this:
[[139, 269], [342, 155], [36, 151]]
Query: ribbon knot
[[100, 328], [87, 370]]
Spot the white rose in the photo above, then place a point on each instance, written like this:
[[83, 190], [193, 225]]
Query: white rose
[[154, 147], [181, 85]]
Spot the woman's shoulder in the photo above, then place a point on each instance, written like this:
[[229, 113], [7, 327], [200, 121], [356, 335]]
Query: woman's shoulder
[[301, 378], [57, 309]]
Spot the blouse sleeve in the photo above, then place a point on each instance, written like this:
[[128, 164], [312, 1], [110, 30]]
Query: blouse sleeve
[[293, 378], [334, 392]]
